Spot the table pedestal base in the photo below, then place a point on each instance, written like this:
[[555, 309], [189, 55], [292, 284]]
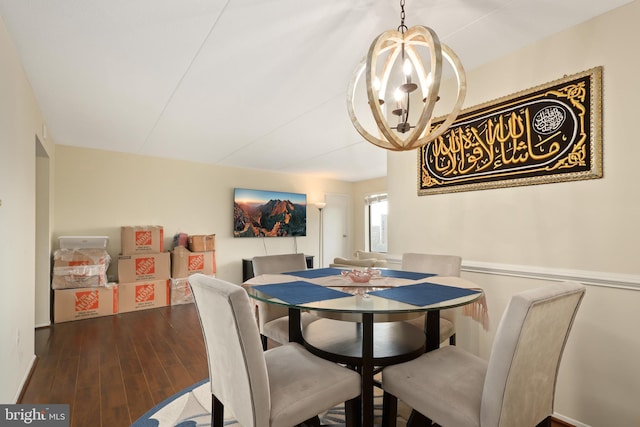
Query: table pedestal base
[[364, 346]]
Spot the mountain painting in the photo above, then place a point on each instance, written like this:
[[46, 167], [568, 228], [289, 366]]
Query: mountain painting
[[259, 213]]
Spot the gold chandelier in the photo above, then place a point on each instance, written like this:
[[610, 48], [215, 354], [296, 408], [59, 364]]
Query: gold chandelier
[[397, 75]]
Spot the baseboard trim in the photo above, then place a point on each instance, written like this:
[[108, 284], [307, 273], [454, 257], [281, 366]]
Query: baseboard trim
[[26, 379], [595, 278]]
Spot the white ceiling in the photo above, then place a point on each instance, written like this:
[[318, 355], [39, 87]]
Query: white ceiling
[[248, 83]]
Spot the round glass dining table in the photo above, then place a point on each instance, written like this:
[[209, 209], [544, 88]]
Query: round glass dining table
[[369, 332]]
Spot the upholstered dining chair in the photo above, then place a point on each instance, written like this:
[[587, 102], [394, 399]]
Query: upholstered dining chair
[[515, 388], [281, 387], [273, 320], [442, 265]]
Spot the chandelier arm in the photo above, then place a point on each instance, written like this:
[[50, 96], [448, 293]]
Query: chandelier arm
[[433, 42], [453, 59], [376, 110], [351, 110]]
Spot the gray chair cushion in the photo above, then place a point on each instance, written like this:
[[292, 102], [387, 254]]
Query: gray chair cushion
[[303, 385], [444, 384], [447, 328], [278, 329]]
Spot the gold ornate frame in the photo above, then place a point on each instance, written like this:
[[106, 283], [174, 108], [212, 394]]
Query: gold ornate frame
[[546, 134]]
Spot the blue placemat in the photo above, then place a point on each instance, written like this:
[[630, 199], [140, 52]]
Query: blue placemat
[[400, 274], [423, 293], [314, 273], [300, 292]]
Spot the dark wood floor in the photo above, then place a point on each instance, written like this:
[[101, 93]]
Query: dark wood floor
[[111, 370]]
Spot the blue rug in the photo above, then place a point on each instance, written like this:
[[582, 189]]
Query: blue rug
[[191, 408]]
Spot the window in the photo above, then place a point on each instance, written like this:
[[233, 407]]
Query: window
[[376, 207]]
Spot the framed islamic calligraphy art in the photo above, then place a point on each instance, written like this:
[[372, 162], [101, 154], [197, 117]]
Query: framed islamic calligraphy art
[[550, 133]]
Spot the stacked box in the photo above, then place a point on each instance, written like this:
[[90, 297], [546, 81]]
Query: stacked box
[[184, 262], [144, 267], [141, 239], [79, 268], [85, 303], [143, 295], [202, 243]]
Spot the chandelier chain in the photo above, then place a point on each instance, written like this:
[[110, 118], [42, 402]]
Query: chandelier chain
[[402, 28]]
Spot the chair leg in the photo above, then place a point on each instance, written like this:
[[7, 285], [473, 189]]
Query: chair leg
[[264, 342], [353, 412], [217, 412], [312, 422], [417, 419], [389, 410], [545, 423], [452, 339]]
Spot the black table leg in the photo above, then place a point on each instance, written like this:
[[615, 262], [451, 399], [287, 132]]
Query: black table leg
[[433, 330], [295, 328], [367, 369]]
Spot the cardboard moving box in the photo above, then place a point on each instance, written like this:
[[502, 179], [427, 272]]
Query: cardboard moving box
[[184, 262], [141, 239], [79, 268], [144, 267], [143, 295], [199, 243], [84, 303]]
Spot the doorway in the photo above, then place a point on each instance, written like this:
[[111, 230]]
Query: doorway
[[43, 242], [335, 230]]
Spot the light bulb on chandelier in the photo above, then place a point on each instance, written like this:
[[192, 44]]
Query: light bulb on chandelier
[[394, 61]]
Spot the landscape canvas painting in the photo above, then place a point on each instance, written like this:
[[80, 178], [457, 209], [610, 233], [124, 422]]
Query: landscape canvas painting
[[260, 213]]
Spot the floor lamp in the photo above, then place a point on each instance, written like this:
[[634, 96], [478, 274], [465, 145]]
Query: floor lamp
[[320, 206]]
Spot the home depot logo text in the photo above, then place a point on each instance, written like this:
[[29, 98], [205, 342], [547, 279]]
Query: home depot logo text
[[143, 238], [87, 300], [145, 293], [196, 262], [145, 266]]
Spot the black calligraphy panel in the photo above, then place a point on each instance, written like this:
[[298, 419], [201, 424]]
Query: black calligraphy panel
[[551, 133]]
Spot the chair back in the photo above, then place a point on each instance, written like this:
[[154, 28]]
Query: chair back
[[521, 375], [442, 265], [237, 368], [275, 264]]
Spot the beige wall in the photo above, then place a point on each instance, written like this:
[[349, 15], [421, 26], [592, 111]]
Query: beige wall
[[585, 229], [20, 122], [96, 192]]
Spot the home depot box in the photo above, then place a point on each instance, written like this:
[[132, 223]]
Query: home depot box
[[201, 243], [141, 239], [144, 267], [184, 262], [84, 303], [143, 295], [180, 291], [79, 268]]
